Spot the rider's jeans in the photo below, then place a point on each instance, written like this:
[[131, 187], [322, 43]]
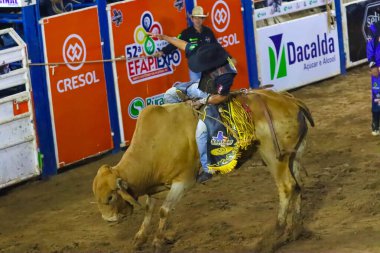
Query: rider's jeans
[[201, 138], [193, 92]]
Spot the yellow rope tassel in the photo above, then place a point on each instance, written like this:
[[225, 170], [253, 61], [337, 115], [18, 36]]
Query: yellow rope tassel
[[239, 120]]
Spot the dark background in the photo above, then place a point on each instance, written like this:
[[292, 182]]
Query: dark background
[[355, 20]]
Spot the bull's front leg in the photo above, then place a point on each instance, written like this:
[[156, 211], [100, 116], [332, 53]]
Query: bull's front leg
[[140, 237], [173, 197]]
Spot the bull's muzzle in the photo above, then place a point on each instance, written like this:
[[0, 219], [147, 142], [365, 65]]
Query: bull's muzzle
[[113, 218]]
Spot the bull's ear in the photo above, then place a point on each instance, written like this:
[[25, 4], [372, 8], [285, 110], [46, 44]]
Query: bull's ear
[[122, 190]]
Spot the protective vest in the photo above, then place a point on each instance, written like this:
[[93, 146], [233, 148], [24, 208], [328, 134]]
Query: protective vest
[[207, 82]]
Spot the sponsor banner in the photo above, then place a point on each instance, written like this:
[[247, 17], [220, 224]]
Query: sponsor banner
[[142, 79], [275, 10], [360, 15], [77, 90], [16, 3], [288, 60], [226, 21]]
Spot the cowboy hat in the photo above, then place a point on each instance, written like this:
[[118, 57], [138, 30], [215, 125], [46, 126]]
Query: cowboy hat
[[198, 12], [207, 57]]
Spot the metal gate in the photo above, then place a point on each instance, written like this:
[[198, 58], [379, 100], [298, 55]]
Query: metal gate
[[18, 147]]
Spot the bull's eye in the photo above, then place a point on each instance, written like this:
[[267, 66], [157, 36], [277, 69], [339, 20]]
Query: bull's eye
[[110, 199]]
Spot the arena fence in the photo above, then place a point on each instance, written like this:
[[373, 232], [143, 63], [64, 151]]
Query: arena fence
[[18, 148], [92, 70]]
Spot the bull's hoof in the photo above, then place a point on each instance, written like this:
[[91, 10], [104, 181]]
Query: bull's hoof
[[271, 240], [139, 241], [157, 245], [265, 245], [293, 233], [170, 237]]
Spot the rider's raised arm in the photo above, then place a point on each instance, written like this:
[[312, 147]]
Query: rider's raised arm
[[181, 44]]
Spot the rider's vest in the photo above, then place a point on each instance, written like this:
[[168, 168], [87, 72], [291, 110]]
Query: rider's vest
[[207, 82]]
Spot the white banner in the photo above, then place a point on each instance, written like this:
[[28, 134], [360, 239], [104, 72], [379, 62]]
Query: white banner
[[16, 3], [297, 52], [286, 8]]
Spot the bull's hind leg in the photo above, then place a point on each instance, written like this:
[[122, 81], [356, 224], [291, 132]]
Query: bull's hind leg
[[289, 194], [175, 194], [295, 224], [140, 237], [286, 186]]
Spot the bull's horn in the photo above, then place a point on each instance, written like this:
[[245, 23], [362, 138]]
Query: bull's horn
[[127, 197], [123, 186]]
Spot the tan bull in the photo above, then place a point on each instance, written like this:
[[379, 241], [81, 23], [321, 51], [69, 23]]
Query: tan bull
[[163, 155]]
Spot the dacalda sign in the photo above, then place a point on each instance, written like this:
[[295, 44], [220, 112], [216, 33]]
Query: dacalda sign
[[288, 60]]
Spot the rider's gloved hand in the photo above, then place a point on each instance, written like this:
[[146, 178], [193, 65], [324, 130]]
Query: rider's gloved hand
[[197, 104]]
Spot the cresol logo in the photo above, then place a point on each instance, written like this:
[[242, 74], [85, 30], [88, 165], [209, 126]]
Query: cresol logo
[[74, 51], [220, 16], [284, 54], [74, 55]]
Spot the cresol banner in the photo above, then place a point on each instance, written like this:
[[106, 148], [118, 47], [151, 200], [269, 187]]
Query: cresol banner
[[226, 21], [288, 60], [360, 15], [77, 89], [142, 79]]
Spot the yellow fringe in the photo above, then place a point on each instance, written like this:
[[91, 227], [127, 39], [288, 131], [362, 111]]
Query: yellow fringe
[[223, 169], [241, 121]]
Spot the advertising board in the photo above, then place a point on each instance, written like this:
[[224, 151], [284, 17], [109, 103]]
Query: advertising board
[[359, 16], [226, 21], [142, 79], [77, 89], [288, 60]]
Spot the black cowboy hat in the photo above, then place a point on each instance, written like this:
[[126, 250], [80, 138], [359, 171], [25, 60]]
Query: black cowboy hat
[[207, 57]]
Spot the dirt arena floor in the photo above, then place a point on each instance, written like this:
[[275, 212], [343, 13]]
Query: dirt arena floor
[[341, 201]]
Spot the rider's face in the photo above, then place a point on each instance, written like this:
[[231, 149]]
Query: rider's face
[[197, 21]]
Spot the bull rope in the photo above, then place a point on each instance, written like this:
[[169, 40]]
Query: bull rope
[[120, 58], [53, 65]]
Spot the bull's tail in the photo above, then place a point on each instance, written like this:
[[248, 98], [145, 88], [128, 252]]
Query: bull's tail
[[305, 111], [302, 114]]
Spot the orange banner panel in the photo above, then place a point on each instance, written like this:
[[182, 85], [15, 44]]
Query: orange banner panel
[[142, 79], [77, 89], [226, 21]]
